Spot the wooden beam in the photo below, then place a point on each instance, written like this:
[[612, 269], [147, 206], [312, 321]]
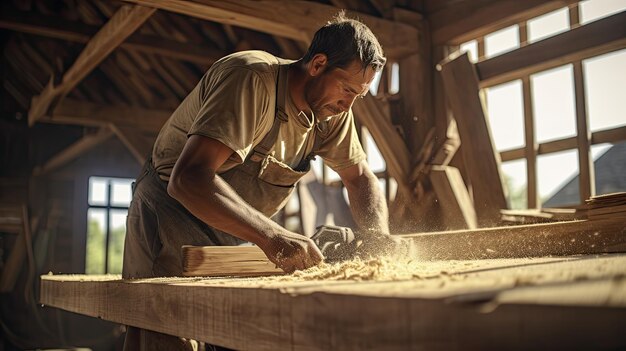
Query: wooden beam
[[596, 38], [121, 25], [481, 160], [614, 135], [139, 144], [83, 113], [467, 20], [577, 237], [70, 153], [78, 32], [533, 240], [391, 145], [494, 305], [454, 200], [303, 20]]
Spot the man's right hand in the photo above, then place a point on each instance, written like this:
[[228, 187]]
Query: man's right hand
[[291, 252]]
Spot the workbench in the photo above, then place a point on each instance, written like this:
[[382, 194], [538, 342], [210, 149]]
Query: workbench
[[574, 302]]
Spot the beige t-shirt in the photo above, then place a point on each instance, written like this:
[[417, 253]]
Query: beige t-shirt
[[234, 103]]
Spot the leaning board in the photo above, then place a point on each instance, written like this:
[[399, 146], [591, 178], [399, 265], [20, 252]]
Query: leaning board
[[540, 303]]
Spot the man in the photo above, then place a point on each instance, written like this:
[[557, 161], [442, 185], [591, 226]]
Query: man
[[230, 155]]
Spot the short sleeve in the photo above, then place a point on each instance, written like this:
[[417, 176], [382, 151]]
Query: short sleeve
[[233, 103], [341, 147]]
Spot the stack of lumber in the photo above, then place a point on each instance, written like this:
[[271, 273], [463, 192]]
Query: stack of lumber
[[607, 206]]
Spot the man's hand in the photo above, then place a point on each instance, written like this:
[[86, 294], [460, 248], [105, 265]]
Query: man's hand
[[291, 252]]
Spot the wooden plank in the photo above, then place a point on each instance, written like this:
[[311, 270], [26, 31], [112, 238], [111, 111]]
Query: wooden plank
[[123, 23], [78, 32], [456, 204], [70, 153], [391, 145], [586, 174], [304, 19], [139, 144], [224, 261], [481, 160], [592, 39], [614, 135], [76, 112], [533, 240], [494, 305], [578, 237], [467, 20]]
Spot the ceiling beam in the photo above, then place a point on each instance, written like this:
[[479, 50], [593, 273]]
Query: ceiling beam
[[295, 19], [121, 25], [77, 32], [73, 151], [470, 19], [82, 113]]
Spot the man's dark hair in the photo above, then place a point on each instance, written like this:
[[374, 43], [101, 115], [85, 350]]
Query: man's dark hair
[[342, 40]]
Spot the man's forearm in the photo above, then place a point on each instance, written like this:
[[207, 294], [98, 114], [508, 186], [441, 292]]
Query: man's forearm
[[212, 200], [368, 204]]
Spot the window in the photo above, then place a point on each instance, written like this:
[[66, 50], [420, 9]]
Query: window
[[593, 10], [505, 111], [606, 105], [548, 25], [502, 41], [108, 201], [553, 103]]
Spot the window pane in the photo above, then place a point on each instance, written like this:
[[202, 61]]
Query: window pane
[[501, 41], [548, 25], [96, 241], [374, 157], [116, 240], [375, 83], [605, 87], [471, 47], [505, 110], [121, 192], [592, 10], [610, 167], [293, 204], [553, 104], [98, 191], [557, 177], [395, 78], [516, 183]]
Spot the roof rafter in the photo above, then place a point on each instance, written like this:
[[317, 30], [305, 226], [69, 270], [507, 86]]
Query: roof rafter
[[305, 17], [123, 23]]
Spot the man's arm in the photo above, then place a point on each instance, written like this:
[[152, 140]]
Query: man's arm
[[196, 185], [367, 203]]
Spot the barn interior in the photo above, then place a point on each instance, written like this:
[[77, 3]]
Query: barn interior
[[497, 130]]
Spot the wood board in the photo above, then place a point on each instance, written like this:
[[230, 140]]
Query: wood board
[[573, 303], [532, 240]]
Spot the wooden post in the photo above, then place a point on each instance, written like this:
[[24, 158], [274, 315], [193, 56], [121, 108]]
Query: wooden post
[[482, 161]]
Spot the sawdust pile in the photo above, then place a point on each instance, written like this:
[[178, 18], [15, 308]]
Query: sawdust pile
[[374, 269]]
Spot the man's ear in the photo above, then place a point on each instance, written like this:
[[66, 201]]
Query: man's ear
[[317, 65]]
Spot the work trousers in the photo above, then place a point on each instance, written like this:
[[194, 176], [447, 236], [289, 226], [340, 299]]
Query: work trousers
[[157, 227]]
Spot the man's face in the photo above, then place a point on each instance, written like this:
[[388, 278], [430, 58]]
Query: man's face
[[334, 91]]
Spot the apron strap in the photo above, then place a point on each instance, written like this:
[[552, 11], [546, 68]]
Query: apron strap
[[265, 146]]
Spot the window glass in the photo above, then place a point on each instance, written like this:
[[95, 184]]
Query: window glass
[[501, 41], [374, 157], [553, 104], [605, 88], [610, 167], [97, 191], [516, 183], [592, 10], [548, 25], [117, 235], [505, 110], [96, 241], [121, 192], [557, 178]]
